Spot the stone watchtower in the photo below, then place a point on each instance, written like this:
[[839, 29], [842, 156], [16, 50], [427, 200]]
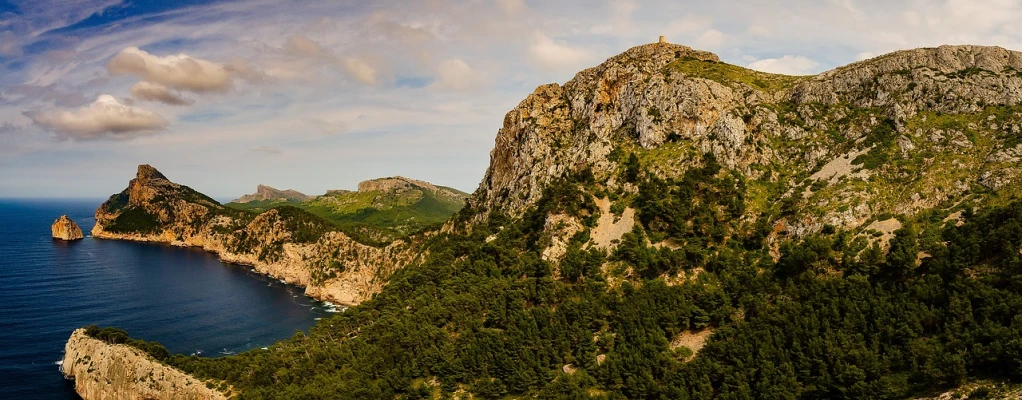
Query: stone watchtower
[[663, 39]]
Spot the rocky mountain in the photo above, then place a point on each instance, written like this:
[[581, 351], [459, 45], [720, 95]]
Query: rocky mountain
[[286, 243], [869, 139], [66, 229], [666, 225], [400, 184], [102, 370], [383, 209], [266, 193]]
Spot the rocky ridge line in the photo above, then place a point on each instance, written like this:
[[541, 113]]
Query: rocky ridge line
[[673, 102], [115, 371], [333, 267], [264, 193]]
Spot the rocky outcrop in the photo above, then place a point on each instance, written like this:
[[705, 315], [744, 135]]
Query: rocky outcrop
[[66, 229], [883, 119], [266, 193], [401, 184], [292, 246], [115, 371]]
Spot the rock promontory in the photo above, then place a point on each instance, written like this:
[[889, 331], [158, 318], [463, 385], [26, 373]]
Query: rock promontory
[[267, 193], [66, 229], [117, 371], [286, 243], [401, 184]]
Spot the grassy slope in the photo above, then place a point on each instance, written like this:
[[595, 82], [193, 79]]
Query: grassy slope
[[393, 213]]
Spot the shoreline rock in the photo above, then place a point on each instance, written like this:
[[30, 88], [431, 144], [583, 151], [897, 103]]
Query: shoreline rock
[[66, 229], [333, 267], [102, 370]]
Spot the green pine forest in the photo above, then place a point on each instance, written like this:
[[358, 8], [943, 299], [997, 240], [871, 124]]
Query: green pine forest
[[833, 317]]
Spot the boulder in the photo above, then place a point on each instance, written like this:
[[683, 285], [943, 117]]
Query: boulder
[[66, 229]]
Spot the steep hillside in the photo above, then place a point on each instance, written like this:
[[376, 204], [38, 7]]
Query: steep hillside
[[286, 242], [899, 134], [102, 369], [666, 225], [384, 208]]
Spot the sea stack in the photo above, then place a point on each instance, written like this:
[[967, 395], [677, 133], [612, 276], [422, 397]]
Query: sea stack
[[66, 229]]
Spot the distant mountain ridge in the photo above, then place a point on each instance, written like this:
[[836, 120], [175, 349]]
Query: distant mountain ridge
[[264, 193], [384, 208]]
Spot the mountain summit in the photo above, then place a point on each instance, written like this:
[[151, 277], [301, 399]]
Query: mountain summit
[[810, 140], [666, 225], [266, 193]]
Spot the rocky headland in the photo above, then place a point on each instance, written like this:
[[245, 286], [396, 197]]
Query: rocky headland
[[102, 370], [285, 243]]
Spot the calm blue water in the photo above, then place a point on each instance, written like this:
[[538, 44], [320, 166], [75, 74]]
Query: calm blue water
[[183, 298]]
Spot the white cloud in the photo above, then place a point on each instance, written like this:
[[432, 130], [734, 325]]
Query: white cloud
[[686, 25], [455, 74], [156, 92], [303, 46], [512, 6], [864, 55], [552, 55], [788, 65], [9, 45], [104, 118], [329, 128], [710, 39], [179, 71], [360, 70]]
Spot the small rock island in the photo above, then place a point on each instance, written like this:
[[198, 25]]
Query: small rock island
[[66, 229]]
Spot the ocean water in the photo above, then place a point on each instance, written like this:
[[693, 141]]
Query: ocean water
[[185, 299]]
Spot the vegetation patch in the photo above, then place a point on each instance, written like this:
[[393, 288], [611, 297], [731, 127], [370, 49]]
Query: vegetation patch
[[727, 74], [134, 220]]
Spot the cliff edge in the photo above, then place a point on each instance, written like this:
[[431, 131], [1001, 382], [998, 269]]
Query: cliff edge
[[286, 243], [117, 371]]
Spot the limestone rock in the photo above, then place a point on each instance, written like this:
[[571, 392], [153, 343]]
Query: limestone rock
[[264, 193], [117, 371], [401, 184], [675, 102], [333, 267], [66, 229]]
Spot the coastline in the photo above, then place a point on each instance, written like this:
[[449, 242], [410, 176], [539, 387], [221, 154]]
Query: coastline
[[328, 305], [337, 292]]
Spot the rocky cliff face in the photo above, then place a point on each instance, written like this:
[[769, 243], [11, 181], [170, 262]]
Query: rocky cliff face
[[401, 184], [66, 229], [290, 245], [266, 193], [843, 147], [116, 371]]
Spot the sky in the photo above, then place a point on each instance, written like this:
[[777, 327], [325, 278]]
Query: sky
[[317, 95]]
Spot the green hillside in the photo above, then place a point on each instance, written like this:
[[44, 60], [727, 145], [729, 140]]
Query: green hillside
[[667, 226], [386, 214]]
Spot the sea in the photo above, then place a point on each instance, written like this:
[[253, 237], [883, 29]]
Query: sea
[[184, 298]]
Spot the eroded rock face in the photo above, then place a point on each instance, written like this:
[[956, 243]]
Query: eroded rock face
[[932, 109], [66, 229], [400, 184], [116, 371], [332, 267]]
